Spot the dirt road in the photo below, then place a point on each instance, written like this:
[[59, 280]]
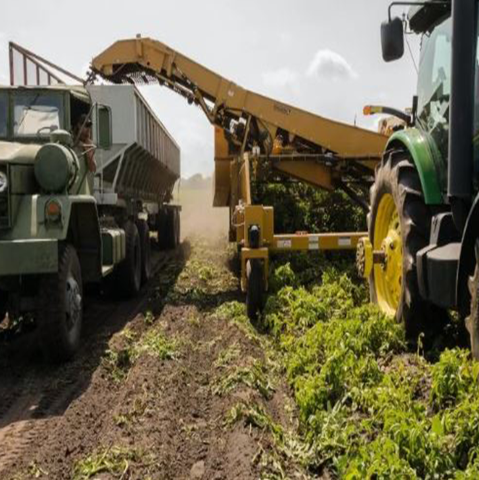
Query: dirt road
[[173, 384]]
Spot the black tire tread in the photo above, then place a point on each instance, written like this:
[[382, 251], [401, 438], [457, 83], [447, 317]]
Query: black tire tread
[[144, 233], [398, 176], [125, 276], [51, 308]]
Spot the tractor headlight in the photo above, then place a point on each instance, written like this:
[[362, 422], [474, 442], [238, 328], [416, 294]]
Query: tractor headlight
[[3, 182]]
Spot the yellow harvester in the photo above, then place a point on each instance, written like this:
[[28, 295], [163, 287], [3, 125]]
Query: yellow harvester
[[255, 136]]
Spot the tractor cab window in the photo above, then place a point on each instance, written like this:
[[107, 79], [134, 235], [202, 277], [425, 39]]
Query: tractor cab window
[[3, 114], [37, 114], [434, 84]]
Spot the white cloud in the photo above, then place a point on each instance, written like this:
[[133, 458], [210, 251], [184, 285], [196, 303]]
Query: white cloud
[[329, 65], [281, 78]]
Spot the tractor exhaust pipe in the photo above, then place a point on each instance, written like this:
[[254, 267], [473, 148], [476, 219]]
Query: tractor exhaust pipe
[[461, 114]]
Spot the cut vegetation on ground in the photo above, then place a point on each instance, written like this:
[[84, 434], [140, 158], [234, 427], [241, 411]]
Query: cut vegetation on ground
[[186, 387]]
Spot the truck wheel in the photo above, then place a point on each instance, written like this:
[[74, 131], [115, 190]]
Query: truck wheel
[[3, 305], [169, 232], [399, 225], [144, 232], [60, 307], [128, 274], [177, 227], [171, 229], [162, 229], [255, 289]]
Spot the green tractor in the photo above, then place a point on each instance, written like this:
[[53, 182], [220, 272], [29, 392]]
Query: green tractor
[[422, 252]]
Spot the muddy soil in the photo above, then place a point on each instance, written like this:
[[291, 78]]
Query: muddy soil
[[168, 385]]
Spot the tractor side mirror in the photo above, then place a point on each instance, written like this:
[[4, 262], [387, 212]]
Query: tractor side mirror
[[392, 39]]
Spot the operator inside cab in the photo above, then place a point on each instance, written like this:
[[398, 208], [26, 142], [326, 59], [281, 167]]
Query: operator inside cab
[[83, 140], [85, 148]]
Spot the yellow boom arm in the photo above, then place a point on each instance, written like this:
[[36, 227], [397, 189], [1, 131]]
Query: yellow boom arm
[[251, 119]]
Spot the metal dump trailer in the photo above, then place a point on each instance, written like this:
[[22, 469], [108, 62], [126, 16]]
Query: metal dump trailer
[[85, 175], [144, 159]]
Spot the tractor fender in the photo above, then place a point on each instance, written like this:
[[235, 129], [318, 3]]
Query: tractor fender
[[421, 149], [467, 258]]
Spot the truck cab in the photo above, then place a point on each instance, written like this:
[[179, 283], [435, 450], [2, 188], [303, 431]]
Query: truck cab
[[50, 232]]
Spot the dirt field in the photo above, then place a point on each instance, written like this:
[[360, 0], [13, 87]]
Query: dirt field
[[165, 386]]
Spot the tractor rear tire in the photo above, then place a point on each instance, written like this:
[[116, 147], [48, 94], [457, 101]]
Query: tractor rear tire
[[255, 289], [144, 232], [128, 272], [398, 179], [472, 321], [60, 307]]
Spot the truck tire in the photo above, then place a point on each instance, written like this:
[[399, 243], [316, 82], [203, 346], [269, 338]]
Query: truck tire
[[254, 290], [60, 307], [128, 272], [171, 228], [144, 232], [3, 305], [399, 226], [177, 227], [162, 229]]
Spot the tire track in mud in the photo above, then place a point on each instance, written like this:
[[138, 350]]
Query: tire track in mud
[[33, 392]]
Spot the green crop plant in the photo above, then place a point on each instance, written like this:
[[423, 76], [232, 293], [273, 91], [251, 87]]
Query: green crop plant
[[254, 376], [368, 407], [155, 343], [115, 461], [300, 207], [454, 377], [228, 356]]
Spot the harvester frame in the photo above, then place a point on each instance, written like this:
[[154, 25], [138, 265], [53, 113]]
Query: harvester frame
[[254, 134]]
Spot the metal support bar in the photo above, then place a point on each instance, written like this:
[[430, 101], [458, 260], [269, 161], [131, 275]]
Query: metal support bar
[[40, 63], [316, 241]]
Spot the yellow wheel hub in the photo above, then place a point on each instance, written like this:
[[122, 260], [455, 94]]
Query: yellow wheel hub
[[388, 241]]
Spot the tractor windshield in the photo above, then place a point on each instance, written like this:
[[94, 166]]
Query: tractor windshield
[[434, 87], [3, 114], [434, 84]]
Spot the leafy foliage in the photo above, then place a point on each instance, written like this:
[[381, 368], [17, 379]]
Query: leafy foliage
[[368, 408], [115, 461], [302, 207]]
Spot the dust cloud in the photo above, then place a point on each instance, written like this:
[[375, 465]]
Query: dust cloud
[[198, 216]]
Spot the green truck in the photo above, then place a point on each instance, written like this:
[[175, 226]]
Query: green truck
[[65, 223]]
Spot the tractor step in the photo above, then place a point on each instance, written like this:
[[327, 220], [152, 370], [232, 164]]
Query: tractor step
[[437, 271]]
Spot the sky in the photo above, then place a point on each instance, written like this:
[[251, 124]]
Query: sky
[[320, 55]]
